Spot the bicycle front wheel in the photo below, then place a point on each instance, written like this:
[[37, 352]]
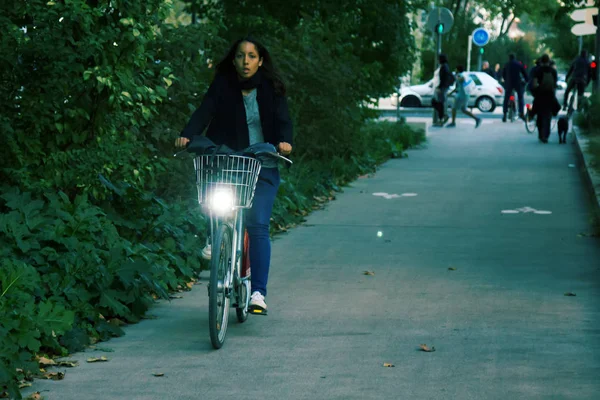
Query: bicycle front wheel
[[219, 291], [530, 123]]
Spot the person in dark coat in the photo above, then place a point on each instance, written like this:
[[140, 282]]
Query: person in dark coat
[[578, 76], [441, 92], [513, 74], [545, 103], [244, 105]]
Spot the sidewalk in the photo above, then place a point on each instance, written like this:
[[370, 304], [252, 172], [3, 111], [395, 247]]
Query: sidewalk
[[473, 241]]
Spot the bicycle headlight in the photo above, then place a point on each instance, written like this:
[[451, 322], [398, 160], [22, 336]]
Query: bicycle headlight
[[221, 200]]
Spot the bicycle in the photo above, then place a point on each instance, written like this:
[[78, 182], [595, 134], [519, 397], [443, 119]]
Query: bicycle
[[573, 103], [530, 119], [512, 108], [226, 182]]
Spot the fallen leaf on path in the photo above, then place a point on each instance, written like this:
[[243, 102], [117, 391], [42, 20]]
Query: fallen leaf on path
[[97, 359], [158, 374], [388, 365], [190, 285], [570, 294], [55, 376], [176, 297], [44, 362], [69, 364], [22, 384], [370, 273], [34, 396], [451, 269], [427, 349]]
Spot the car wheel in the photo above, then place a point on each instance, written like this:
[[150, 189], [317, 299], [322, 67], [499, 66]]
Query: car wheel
[[410, 101], [485, 104]]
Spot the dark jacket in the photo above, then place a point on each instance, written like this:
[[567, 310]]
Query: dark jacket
[[580, 70], [446, 77], [531, 75], [223, 112], [490, 72], [545, 101], [512, 72]]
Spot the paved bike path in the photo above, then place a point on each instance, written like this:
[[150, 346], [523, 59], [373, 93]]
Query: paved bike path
[[451, 270]]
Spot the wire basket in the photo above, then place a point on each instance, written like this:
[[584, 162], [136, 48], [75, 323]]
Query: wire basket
[[227, 172]]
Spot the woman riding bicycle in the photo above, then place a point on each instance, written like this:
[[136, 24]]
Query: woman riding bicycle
[[244, 105]]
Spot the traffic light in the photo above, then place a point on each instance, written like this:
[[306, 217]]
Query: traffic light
[[481, 50], [439, 28], [594, 70]]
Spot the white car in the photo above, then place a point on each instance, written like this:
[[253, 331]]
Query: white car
[[487, 95]]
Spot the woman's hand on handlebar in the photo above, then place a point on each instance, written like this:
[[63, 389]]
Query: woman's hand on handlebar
[[284, 148], [181, 142]]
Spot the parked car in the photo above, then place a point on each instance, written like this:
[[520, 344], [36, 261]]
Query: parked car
[[487, 95]]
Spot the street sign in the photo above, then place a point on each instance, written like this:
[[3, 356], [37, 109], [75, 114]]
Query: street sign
[[583, 29], [481, 37], [584, 14], [584, 3], [440, 20]]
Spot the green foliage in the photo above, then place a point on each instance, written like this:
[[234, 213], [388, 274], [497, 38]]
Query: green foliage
[[97, 218], [334, 56]]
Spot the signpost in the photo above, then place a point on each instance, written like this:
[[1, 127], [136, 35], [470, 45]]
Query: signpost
[[439, 21], [481, 37], [587, 17]]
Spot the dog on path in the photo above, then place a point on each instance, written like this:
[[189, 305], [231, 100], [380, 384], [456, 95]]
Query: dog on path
[[563, 129]]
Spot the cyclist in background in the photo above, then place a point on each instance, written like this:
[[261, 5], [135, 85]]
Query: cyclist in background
[[580, 73], [512, 73]]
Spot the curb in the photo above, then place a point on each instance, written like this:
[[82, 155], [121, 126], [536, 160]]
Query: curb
[[590, 176]]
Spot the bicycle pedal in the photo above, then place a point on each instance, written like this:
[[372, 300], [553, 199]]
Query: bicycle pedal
[[257, 311]]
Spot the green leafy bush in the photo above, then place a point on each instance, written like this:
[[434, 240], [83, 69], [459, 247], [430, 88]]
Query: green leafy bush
[[97, 218]]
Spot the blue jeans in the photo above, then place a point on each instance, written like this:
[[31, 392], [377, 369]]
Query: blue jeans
[[257, 224]]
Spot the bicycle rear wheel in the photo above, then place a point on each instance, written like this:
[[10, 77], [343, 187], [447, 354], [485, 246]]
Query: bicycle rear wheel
[[219, 292]]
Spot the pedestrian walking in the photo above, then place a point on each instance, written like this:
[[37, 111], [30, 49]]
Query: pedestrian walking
[[445, 80], [244, 105], [545, 104], [461, 98], [485, 67], [513, 74], [498, 74]]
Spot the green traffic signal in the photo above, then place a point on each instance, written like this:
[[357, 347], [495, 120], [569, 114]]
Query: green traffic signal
[[440, 28], [481, 50]]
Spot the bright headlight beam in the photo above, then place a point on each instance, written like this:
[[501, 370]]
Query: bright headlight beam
[[222, 201]]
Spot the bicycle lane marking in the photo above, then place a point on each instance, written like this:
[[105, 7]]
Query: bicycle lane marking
[[526, 210], [394, 195]]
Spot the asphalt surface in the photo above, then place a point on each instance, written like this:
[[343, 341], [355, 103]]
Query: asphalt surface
[[473, 240]]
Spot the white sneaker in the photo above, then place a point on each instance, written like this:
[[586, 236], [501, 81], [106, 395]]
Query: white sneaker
[[257, 304], [207, 251]]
